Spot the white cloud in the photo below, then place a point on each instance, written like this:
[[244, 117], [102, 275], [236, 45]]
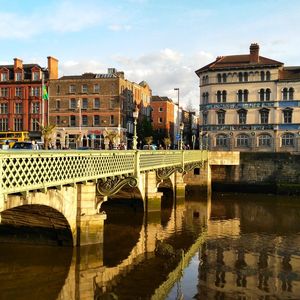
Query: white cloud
[[118, 27]]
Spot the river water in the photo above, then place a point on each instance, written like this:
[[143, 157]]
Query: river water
[[227, 246]]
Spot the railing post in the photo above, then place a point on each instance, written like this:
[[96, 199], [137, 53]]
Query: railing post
[[182, 159], [1, 186], [136, 163]]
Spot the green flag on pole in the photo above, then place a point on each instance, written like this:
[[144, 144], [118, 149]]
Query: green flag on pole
[[45, 93]]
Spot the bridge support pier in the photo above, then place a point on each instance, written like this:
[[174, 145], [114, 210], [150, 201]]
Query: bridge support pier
[[89, 222], [152, 195], [179, 186]]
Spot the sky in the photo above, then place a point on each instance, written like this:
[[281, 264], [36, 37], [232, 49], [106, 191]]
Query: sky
[[160, 41]]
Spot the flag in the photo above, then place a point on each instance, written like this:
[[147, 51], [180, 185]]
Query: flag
[[45, 93]]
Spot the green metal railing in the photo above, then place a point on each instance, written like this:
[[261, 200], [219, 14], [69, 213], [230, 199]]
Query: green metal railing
[[23, 171]]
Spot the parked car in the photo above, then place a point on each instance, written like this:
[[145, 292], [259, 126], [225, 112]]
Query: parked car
[[25, 146], [150, 147]]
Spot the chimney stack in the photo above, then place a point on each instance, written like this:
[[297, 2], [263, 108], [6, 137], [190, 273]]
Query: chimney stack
[[254, 53], [52, 67], [18, 63]]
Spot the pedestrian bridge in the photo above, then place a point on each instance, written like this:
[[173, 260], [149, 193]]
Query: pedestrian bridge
[[75, 183]]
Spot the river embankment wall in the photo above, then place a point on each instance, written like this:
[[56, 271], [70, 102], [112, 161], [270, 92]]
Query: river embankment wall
[[260, 173]]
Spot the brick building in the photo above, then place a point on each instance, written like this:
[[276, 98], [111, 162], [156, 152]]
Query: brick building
[[163, 117], [21, 106], [250, 103], [95, 110]]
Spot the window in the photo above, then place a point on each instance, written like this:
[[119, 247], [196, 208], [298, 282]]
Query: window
[[264, 116], [84, 103], [57, 120], [58, 89], [285, 94], [221, 117], [35, 107], [36, 76], [18, 76], [261, 95], [112, 104], [224, 76], [205, 98], [245, 76], [18, 124], [84, 88], [262, 76], [240, 76], [291, 94], [84, 120], [96, 120], [4, 92], [3, 124], [18, 108], [112, 120], [287, 139], [287, 115], [160, 109], [242, 140], [246, 93], [224, 96], [19, 92], [219, 77], [264, 140], [160, 120], [72, 89], [3, 109], [97, 103], [73, 103], [4, 77], [35, 91], [222, 140], [35, 124], [240, 96], [73, 121], [57, 104], [242, 116], [268, 94], [96, 88], [221, 96], [205, 117], [268, 76]]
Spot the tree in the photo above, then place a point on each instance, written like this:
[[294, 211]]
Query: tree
[[144, 129], [47, 132], [167, 142], [148, 140]]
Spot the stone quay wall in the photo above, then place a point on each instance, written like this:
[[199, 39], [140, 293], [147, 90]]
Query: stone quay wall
[[260, 172]]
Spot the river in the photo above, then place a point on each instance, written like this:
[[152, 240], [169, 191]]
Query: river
[[230, 246]]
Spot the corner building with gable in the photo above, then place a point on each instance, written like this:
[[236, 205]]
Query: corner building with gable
[[249, 103]]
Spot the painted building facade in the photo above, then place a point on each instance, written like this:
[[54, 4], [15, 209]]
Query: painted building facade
[[249, 103]]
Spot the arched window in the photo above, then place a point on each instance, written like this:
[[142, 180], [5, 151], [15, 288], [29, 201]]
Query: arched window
[[262, 95], [224, 95], [268, 94], [219, 96], [262, 76], [58, 89], [222, 140], [219, 76], [245, 76], [264, 140], [240, 96], [264, 116], [203, 98], [242, 116], [205, 117], [285, 94], [268, 76], [246, 93], [291, 93], [224, 77], [287, 139], [242, 140], [240, 76]]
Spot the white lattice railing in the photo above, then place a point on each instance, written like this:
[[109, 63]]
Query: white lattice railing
[[31, 170]]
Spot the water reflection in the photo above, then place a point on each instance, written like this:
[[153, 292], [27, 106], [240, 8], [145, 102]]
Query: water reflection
[[251, 251]]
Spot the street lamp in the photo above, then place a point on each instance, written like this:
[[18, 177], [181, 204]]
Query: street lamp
[[135, 115], [79, 108], [181, 133], [200, 140], [178, 112]]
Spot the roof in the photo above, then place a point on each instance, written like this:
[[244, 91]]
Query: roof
[[162, 99], [26, 70], [289, 73], [239, 62], [88, 76]]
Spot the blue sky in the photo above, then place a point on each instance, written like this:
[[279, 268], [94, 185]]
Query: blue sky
[[160, 41]]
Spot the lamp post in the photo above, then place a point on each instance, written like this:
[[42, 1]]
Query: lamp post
[[79, 122], [181, 135], [178, 112], [200, 140], [135, 115]]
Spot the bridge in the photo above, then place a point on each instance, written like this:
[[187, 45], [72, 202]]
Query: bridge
[[74, 184]]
